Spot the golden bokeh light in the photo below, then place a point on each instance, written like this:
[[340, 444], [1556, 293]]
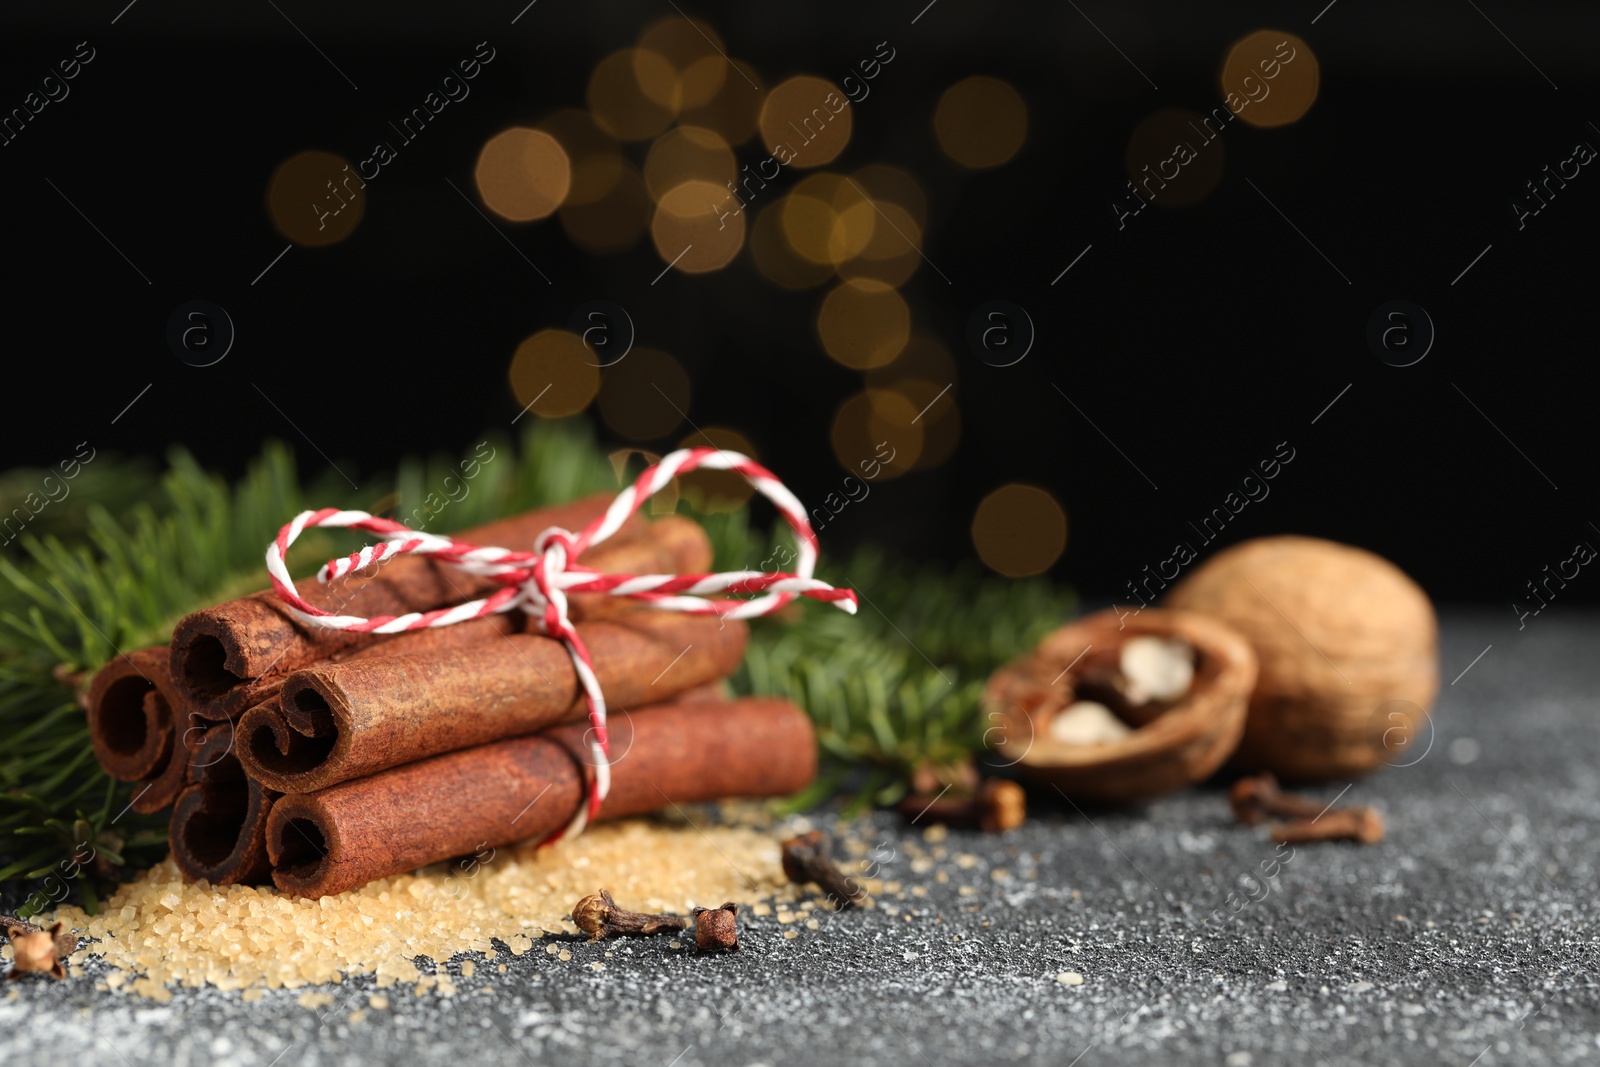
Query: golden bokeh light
[[876, 435], [711, 490], [925, 374], [923, 357], [679, 63], [1170, 160], [1019, 530], [688, 152], [523, 174], [826, 220], [316, 198], [1270, 78], [579, 135], [864, 324], [805, 122], [694, 228], [735, 110], [886, 184], [619, 103], [776, 260], [613, 221], [552, 376], [644, 396], [940, 418], [892, 256], [981, 122], [663, 501]]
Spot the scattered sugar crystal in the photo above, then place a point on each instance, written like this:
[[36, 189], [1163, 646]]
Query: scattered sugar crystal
[[156, 932]]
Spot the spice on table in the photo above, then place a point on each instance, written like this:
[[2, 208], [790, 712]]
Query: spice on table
[[598, 915], [1363, 825], [717, 929], [1258, 797], [998, 805], [809, 858], [38, 951]]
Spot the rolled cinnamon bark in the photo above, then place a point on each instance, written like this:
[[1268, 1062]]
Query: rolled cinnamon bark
[[129, 735], [161, 788], [339, 721], [526, 788], [221, 655], [218, 831]]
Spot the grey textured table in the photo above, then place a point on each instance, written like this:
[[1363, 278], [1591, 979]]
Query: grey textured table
[[1467, 937]]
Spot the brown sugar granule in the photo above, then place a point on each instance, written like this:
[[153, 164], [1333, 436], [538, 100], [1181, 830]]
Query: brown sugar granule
[[157, 931]]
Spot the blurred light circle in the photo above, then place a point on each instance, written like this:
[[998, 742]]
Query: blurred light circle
[[776, 259], [522, 174], [685, 153], [679, 62], [886, 184], [864, 323], [711, 490], [595, 177], [1170, 160], [1270, 78], [826, 220], [940, 419], [552, 374], [694, 228], [645, 396], [579, 135], [316, 198], [735, 110], [619, 103], [876, 434], [922, 357], [615, 220], [1019, 530], [805, 122], [893, 254], [981, 122]]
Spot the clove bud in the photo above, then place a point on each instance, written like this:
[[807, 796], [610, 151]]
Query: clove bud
[[717, 929], [809, 858], [1256, 798], [38, 951], [1363, 825], [998, 805], [599, 916]]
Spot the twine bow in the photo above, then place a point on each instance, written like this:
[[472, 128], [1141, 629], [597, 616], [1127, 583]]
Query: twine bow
[[539, 582]]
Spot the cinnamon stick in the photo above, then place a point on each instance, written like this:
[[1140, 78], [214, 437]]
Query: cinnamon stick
[[128, 734], [218, 831], [339, 721], [221, 655], [526, 788], [161, 789]]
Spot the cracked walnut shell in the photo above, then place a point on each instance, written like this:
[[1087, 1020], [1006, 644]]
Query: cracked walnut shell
[[1171, 742]]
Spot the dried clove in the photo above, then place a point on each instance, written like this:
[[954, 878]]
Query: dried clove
[[717, 929], [38, 951], [998, 805], [1359, 824], [1256, 798], [809, 858], [598, 915]]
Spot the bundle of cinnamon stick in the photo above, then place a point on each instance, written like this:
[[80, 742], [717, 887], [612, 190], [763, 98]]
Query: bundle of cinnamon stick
[[321, 760]]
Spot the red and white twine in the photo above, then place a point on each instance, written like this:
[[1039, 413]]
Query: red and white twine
[[539, 582]]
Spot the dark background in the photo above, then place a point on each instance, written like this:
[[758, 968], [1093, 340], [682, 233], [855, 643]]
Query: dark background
[[1196, 339]]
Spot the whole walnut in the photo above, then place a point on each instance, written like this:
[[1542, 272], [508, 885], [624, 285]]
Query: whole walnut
[[1347, 648]]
